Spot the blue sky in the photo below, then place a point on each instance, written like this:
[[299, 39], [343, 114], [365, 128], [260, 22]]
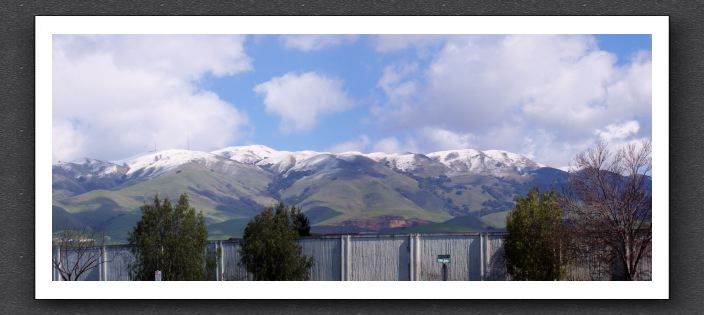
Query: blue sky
[[547, 97], [356, 63], [624, 46]]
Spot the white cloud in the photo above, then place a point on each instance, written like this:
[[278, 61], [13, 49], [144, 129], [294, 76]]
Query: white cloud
[[393, 145], [438, 139], [391, 43], [396, 86], [115, 96], [360, 145], [67, 142], [182, 56], [618, 131], [316, 42], [387, 145], [525, 93], [620, 135], [298, 99]]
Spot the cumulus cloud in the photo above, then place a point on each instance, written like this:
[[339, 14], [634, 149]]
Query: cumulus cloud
[[316, 42], [118, 95], [365, 144], [394, 145], [392, 43], [360, 145], [438, 139], [539, 95], [539, 145], [618, 131], [388, 145], [298, 99], [397, 88], [620, 135]]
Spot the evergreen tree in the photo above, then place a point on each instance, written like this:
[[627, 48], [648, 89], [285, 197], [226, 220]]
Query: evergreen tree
[[269, 250], [533, 243], [300, 221], [171, 239]]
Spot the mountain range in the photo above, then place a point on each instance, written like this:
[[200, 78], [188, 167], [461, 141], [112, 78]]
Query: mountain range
[[351, 192]]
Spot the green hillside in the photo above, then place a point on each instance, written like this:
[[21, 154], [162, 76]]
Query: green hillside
[[462, 224], [361, 188], [220, 196], [227, 229], [337, 195], [496, 219]]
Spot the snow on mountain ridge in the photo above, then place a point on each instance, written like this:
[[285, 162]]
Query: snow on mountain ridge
[[161, 161], [510, 156], [488, 162], [88, 167], [493, 162], [263, 156], [400, 161], [250, 154]]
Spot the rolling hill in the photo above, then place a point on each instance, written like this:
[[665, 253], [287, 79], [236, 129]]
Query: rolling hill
[[458, 190]]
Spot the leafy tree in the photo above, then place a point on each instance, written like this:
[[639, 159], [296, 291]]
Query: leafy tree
[[169, 238], [269, 250], [533, 242]]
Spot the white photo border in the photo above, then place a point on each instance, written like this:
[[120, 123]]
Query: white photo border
[[657, 26]]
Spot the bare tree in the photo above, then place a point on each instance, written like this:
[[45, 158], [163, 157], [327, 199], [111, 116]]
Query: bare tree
[[79, 252], [609, 206]]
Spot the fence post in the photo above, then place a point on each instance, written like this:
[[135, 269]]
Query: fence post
[[419, 265], [411, 258], [104, 273], [416, 257], [345, 258], [221, 269], [222, 262], [482, 257], [218, 261], [100, 263], [348, 258], [56, 273]]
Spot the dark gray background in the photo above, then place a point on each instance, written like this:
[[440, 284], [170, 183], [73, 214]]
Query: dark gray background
[[17, 153]]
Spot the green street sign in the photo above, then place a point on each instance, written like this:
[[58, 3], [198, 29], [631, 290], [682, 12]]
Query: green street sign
[[445, 259]]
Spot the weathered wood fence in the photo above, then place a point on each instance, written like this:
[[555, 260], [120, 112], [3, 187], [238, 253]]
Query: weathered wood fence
[[474, 257]]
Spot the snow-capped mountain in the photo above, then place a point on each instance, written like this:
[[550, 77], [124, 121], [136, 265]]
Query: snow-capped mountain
[[469, 161], [235, 183], [89, 168], [149, 164], [403, 162], [250, 154], [465, 161], [155, 163], [489, 162], [265, 157], [341, 192]]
